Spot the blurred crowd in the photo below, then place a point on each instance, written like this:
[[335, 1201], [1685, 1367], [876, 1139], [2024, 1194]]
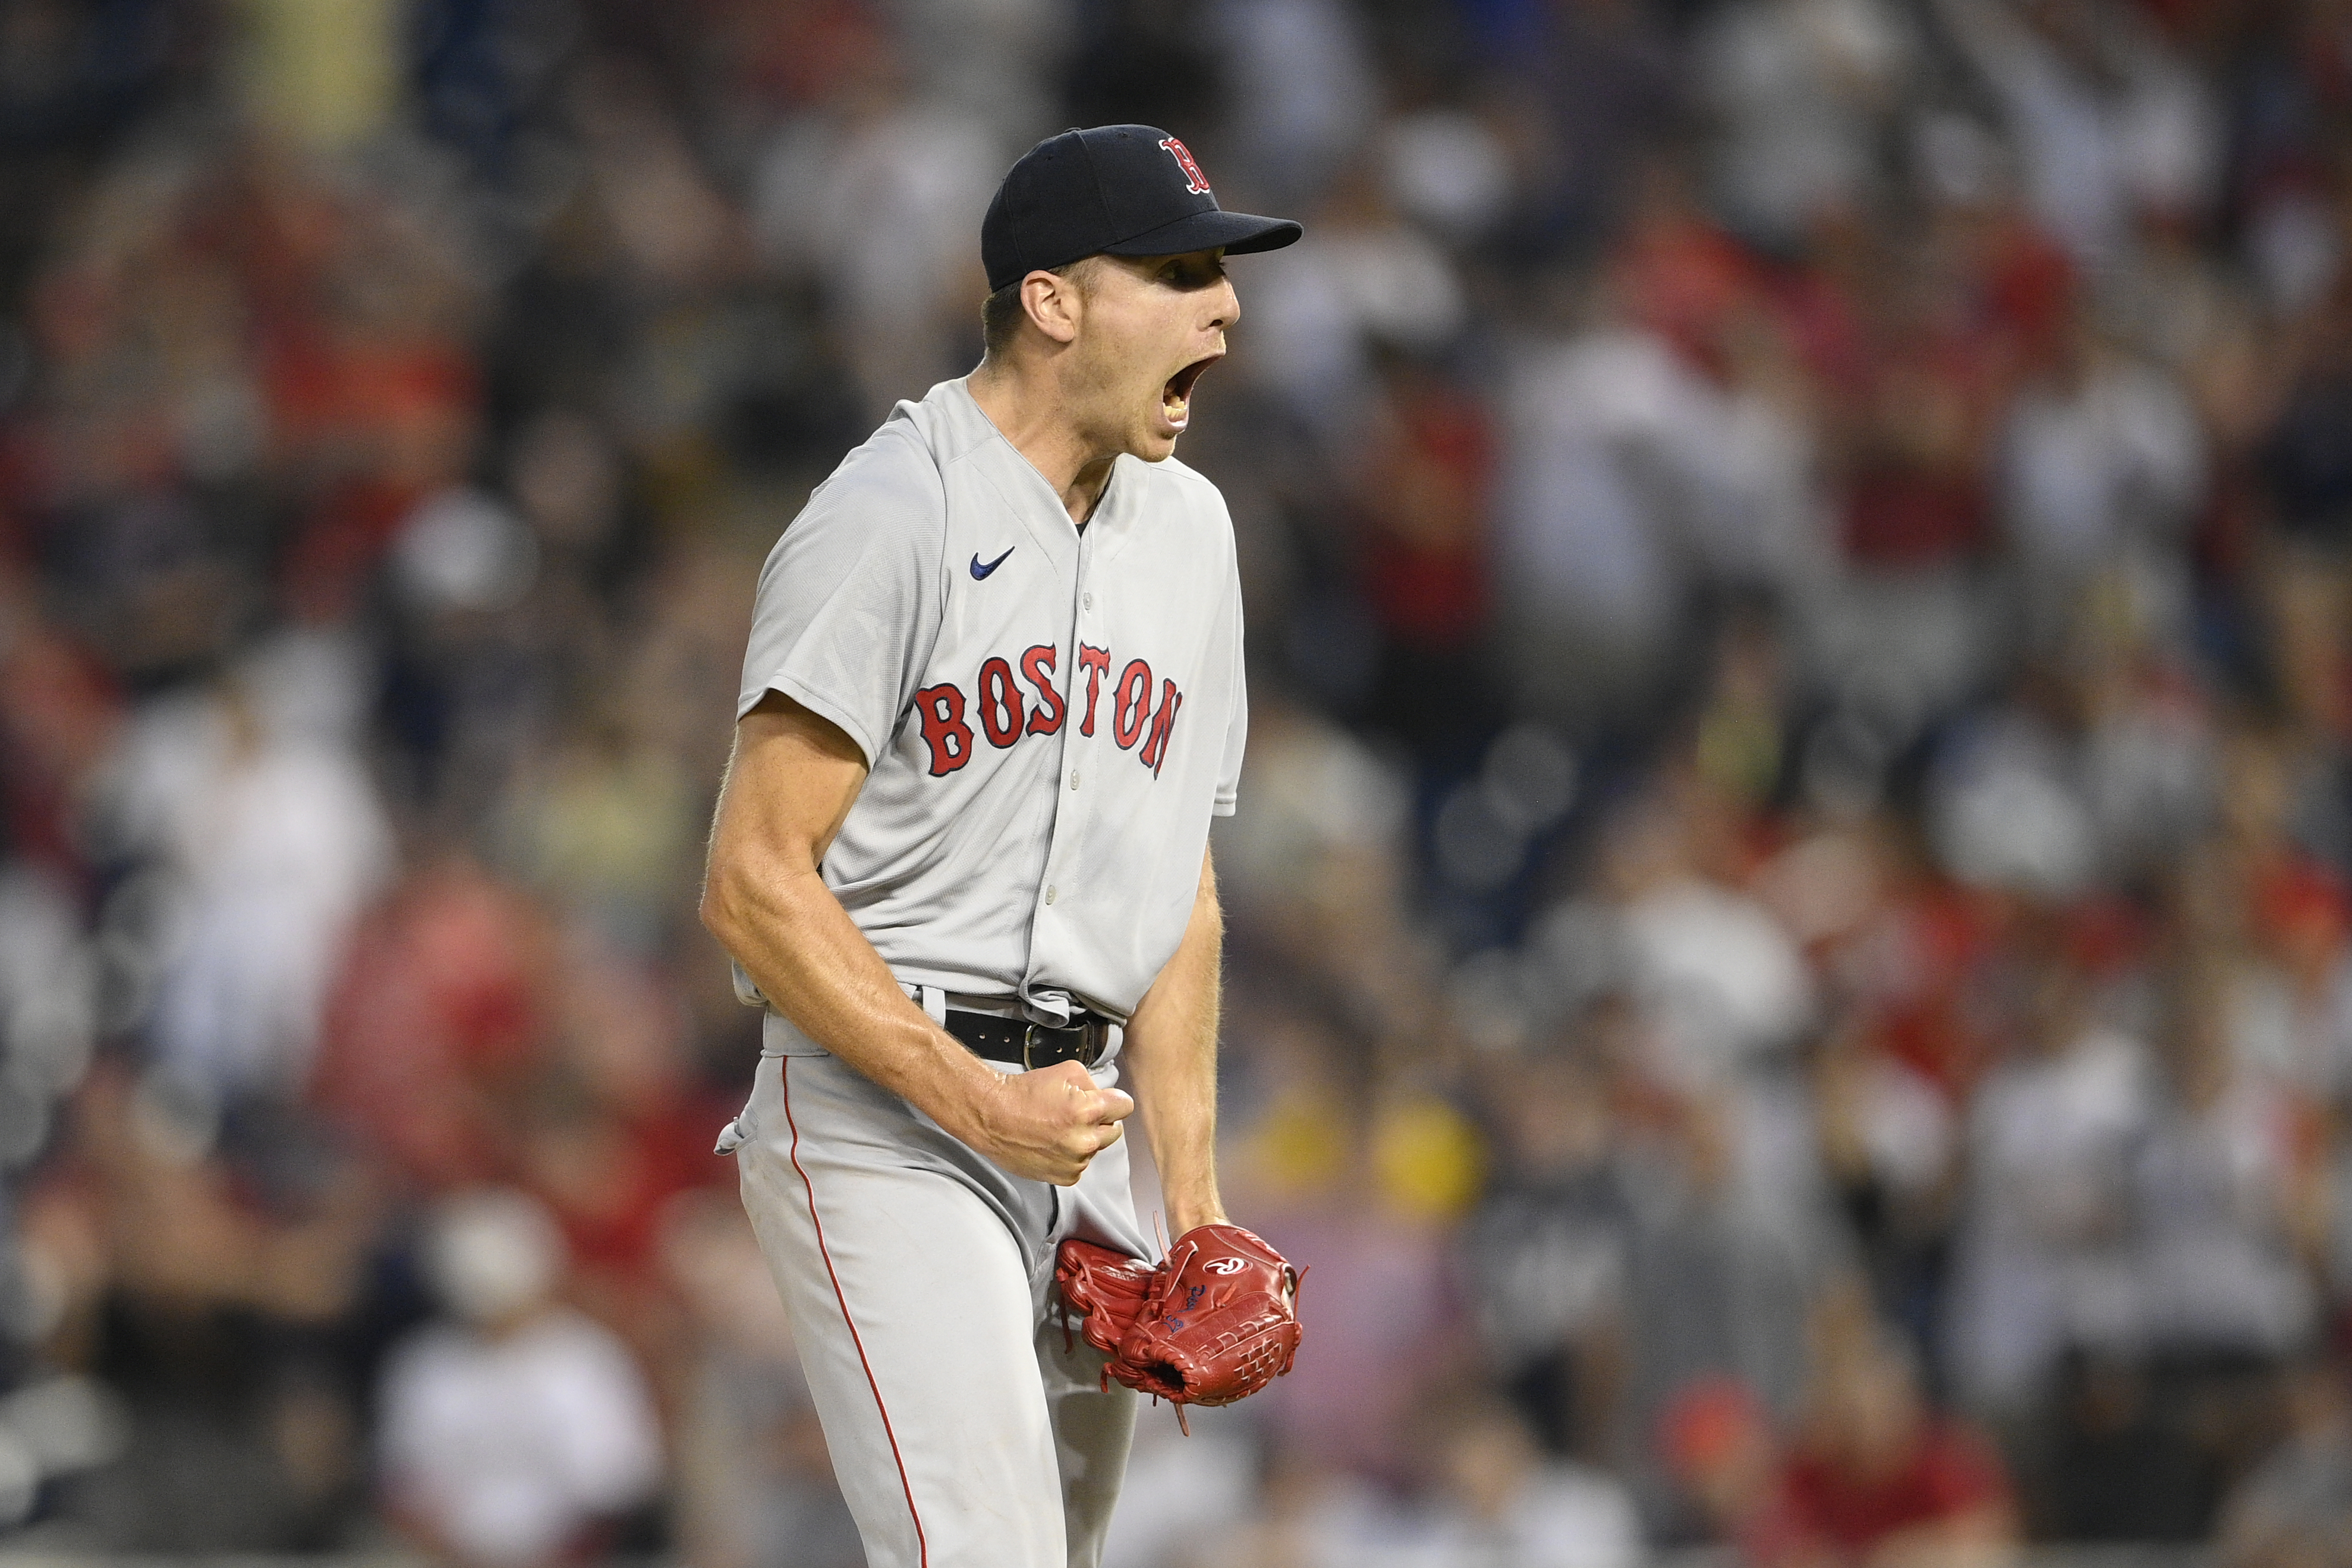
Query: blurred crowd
[[1791, 968]]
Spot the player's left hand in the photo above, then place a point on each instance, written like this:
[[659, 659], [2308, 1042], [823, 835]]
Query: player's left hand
[[1216, 1323]]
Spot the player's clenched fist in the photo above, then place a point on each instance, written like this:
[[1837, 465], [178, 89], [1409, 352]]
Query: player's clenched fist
[[1047, 1124]]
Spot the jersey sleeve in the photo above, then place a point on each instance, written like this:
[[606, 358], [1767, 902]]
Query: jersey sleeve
[[849, 600], [1229, 771]]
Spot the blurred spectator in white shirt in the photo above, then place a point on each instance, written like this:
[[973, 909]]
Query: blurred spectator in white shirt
[[1500, 1498], [514, 1427], [1362, 277], [1301, 93], [2043, 1259], [2102, 463], [2108, 122], [1716, 969], [1799, 88], [266, 835], [2006, 807], [1628, 476], [48, 1007], [876, 197], [1485, 1494], [1584, 575], [2222, 1199]]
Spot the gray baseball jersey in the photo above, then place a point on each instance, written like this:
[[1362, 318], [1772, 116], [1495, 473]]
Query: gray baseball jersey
[[1050, 715], [1049, 718]]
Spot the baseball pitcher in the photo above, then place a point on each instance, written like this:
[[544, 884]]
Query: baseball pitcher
[[993, 697]]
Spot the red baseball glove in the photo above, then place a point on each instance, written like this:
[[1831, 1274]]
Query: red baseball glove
[[1220, 1323], [1105, 1288]]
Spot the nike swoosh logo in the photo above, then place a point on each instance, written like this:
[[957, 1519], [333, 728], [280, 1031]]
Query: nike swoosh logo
[[978, 571]]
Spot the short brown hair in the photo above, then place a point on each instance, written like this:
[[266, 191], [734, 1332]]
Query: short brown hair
[[1000, 318], [1000, 313]]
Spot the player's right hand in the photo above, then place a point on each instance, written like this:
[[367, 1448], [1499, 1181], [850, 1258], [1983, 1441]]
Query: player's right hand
[[1047, 1124]]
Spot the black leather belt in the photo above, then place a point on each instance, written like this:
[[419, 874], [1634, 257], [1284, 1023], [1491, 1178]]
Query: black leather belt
[[1025, 1045]]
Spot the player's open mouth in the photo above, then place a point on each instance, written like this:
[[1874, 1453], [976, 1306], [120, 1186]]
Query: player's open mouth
[[1176, 397]]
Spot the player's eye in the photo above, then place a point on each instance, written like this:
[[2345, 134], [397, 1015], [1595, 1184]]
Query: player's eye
[[1188, 272]]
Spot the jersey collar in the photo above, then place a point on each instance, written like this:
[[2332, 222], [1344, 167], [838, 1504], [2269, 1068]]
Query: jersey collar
[[968, 435]]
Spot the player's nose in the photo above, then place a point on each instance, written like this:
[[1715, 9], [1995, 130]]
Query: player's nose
[[1228, 304]]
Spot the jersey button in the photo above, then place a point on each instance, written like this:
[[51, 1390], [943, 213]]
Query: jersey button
[[1049, 895], [1089, 601], [1074, 778]]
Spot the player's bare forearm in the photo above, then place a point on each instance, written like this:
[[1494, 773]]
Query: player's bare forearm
[[790, 784], [1170, 1053]]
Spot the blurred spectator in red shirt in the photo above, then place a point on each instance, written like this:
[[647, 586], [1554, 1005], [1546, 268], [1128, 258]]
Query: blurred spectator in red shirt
[[434, 1023], [1880, 1480], [1876, 1478]]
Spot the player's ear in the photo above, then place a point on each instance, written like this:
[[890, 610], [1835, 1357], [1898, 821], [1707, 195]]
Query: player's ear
[[1054, 301]]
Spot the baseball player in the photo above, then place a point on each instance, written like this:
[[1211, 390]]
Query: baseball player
[[993, 697]]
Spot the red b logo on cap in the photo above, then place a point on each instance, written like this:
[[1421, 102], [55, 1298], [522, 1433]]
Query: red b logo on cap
[[1195, 181]]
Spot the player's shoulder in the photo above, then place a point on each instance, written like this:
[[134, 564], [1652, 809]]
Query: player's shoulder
[[895, 459], [910, 454], [1171, 486], [890, 479], [1183, 511], [1184, 479], [946, 421]]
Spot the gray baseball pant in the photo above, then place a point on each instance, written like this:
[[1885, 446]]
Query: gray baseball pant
[[965, 1430]]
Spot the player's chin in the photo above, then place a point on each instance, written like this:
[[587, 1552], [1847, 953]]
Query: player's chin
[[1157, 438]]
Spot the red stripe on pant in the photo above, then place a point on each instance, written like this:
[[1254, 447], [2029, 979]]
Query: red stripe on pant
[[922, 1547]]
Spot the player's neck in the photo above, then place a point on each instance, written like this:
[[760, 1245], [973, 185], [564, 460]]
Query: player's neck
[[1028, 412]]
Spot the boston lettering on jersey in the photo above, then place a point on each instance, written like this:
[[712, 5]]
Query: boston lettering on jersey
[[1005, 713]]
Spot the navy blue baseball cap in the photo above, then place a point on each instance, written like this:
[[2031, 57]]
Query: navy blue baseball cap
[[1117, 190]]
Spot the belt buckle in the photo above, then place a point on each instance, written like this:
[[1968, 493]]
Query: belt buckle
[[1030, 1035]]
